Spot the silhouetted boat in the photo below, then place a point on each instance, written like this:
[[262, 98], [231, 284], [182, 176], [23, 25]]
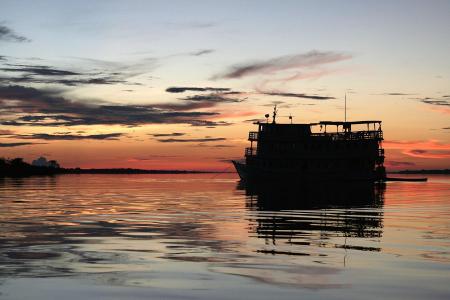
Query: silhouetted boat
[[297, 152]]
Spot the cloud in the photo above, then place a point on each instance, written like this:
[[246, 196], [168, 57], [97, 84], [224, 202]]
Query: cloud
[[9, 145], [255, 121], [202, 52], [395, 94], [185, 106], [167, 134], [309, 60], [39, 70], [202, 140], [421, 149], [51, 75], [67, 82], [296, 95], [440, 109], [216, 146], [439, 102], [209, 124], [176, 89], [421, 153], [214, 97], [49, 107], [6, 132], [70, 137], [198, 102], [8, 35]]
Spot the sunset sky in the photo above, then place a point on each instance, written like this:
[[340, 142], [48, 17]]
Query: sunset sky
[[177, 84]]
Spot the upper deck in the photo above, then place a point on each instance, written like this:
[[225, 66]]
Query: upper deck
[[273, 132]]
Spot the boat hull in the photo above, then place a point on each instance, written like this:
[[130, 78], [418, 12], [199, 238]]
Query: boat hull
[[254, 174]]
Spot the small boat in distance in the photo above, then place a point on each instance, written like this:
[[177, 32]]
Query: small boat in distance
[[311, 152]]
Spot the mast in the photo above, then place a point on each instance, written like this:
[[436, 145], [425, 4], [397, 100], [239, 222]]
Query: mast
[[274, 113], [345, 107]]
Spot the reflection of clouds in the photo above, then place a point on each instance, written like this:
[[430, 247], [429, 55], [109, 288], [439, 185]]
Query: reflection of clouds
[[134, 230], [89, 230], [313, 277]]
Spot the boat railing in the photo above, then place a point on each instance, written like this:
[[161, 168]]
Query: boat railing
[[250, 151], [354, 135], [253, 136]]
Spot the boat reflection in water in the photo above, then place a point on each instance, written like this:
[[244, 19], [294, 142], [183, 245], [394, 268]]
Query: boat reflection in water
[[318, 215]]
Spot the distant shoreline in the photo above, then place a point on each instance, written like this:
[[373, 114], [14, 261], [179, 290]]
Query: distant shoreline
[[17, 167], [439, 171], [133, 171], [43, 171]]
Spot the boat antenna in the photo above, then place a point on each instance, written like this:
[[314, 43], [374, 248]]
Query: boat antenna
[[267, 117], [275, 110], [290, 118], [345, 107]]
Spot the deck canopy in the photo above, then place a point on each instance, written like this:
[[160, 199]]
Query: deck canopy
[[338, 123], [346, 123]]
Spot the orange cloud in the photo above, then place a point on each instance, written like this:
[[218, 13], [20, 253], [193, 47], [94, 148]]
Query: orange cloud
[[421, 149], [442, 110], [235, 114]]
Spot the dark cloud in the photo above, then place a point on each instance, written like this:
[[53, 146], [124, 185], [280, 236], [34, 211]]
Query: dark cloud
[[396, 94], [102, 80], [175, 89], [198, 102], [70, 137], [67, 82], [49, 107], [255, 120], [202, 140], [214, 97], [209, 124], [30, 73], [49, 75], [439, 102], [39, 70], [202, 52], [8, 35], [446, 128], [296, 95], [216, 146], [185, 106], [446, 96], [167, 134], [8, 145], [305, 60]]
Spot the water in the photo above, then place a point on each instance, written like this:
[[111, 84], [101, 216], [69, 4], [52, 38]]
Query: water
[[207, 237]]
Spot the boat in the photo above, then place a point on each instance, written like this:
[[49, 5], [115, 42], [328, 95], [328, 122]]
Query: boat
[[327, 150]]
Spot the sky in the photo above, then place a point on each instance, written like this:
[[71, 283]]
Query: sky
[[178, 84]]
